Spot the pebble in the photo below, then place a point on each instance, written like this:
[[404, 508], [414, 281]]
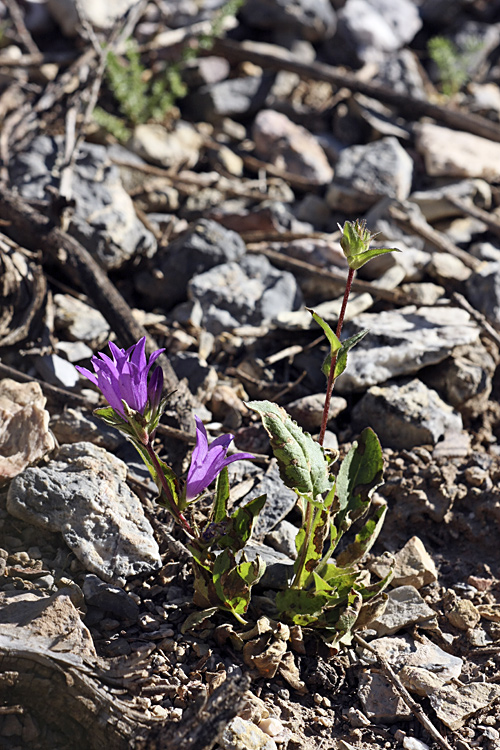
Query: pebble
[[168, 149], [453, 153], [244, 735], [282, 538], [314, 21], [99, 15], [82, 323], [280, 500], [461, 613], [308, 410], [379, 700], [109, 598], [483, 292], [405, 607], [454, 705], [413, 566]]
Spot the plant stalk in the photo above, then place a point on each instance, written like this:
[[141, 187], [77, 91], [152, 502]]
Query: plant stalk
[[181, 520], [307, 523], [331, 374]]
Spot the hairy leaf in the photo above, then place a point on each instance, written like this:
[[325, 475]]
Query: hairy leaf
[[330, 335], [364, 540], [219, 510], [239, 528], [309, 555], [301, 460], [359, 475]]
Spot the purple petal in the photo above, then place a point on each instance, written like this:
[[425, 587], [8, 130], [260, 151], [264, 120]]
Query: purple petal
[[111, 392], [155, 388], [223, 440], [237, 457], [138, 356], [87, 374]]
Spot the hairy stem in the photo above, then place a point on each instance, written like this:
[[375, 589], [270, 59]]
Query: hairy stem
[[331, 375], [181, 520]]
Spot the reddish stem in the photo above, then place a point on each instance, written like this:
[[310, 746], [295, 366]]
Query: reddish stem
[[181, 520], [331, 375]]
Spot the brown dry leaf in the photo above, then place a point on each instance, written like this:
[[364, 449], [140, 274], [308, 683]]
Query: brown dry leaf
[[290, 672]]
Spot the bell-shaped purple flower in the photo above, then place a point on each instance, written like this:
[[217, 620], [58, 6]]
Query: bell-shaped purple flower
[[208, 461], [124, 376]]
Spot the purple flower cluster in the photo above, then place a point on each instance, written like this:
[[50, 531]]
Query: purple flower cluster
[[124, 377], [208, 461]]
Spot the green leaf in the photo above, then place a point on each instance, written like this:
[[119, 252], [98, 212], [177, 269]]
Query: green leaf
[[348, 344], [308, 558], [240, 526], [233, 582], [301, 607], [196, 618], [301, 460], [359, 260], [167, 472], [330, 335], [219, 511], [359, 476], [364, 540]]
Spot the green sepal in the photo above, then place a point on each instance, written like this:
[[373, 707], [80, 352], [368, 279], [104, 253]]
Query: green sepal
[[301, 460]]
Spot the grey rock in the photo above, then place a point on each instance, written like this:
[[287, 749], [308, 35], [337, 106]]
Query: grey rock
[[55, 370], [366, 173], [74, 351], [104, 220], [406, 415], [434, 203], [282, 539], [403, 341], [405, 607], [99, 15], [280, 500], [230, 98], [279, 567], [400, 71], [79, 321], [206, 244], [83, 494], [294, 149], [109, 598], [72, 426], [308, 410], [201, 377], [301, 320], [371, 28], [483, 292], [313, 19], [167, 148], [248, 293], [403, 651], [244, 735], [455, 153], [454, 705], [425, 294], [380, 700], [486, 251]]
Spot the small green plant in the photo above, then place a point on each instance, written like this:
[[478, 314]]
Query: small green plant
[[453, 63], [139, 97], [332, 596]]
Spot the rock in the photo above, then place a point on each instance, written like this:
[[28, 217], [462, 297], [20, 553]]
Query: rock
[[453, 153], [411, 743], [312, 19], [109, 598], [279, 567], [424, 294], [413, 566], [282, 539], [403, 652], [420, 681], [403, 341], [405, 607], [380, 701], [48, 625], [454, 705], [483, 292], [24, 427], [366, 173], [329, 311], [206, 244], [243, 735], [104, 220], [58, 371], [157, 145], [280, 500], [82, 493], [290, 147], [72, 426], [230, 98], [400, 71], [74, 351], [406, 415], [99, 15], [461, 613], [371, 28], [445, 268], [308, 410], [249, 293], [201, 377], [434, 203]]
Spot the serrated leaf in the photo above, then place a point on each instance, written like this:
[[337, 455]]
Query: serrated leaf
[[347, 345], [240, 526], [359, 476], [357, 261], [302, 463], [219, 511], [330, 335], [364, 540]]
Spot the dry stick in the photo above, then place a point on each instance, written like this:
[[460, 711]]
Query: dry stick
[[478, 317], [18, 20], [414, 707], [491, 220], [33, 230], [405, 217], [277, 58]]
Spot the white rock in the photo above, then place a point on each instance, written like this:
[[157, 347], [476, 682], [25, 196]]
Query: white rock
[[403, 651], [159, 146], [411, 743], [243, 735], [453, 153], [413, 566], [101, 15], [405, 607]]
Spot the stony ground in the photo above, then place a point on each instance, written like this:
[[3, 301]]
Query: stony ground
[[209, 225]]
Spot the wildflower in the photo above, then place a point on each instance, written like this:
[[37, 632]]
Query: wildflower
[[208, 461], [124, 377]]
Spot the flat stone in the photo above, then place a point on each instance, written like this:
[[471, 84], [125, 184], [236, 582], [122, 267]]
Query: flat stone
[[434, 203], [380, 701], [483, 292], [157, 145], [104, 220], [109, 598], [420, 681], [413, 566], [56, 370], [453, 153], [24, 427], [282, 538], [82, 493], [247, 293], [230, 98], [99, 15], [79, 321], [425, 294], [301, 320], [290, 147], [280, 500], [401, 342], [244, 735], [454, 705], [74, 351], [366, 173], [405, 607], [407, 415], [445, 267], [308, 410], [311, 19], [403, 651]]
